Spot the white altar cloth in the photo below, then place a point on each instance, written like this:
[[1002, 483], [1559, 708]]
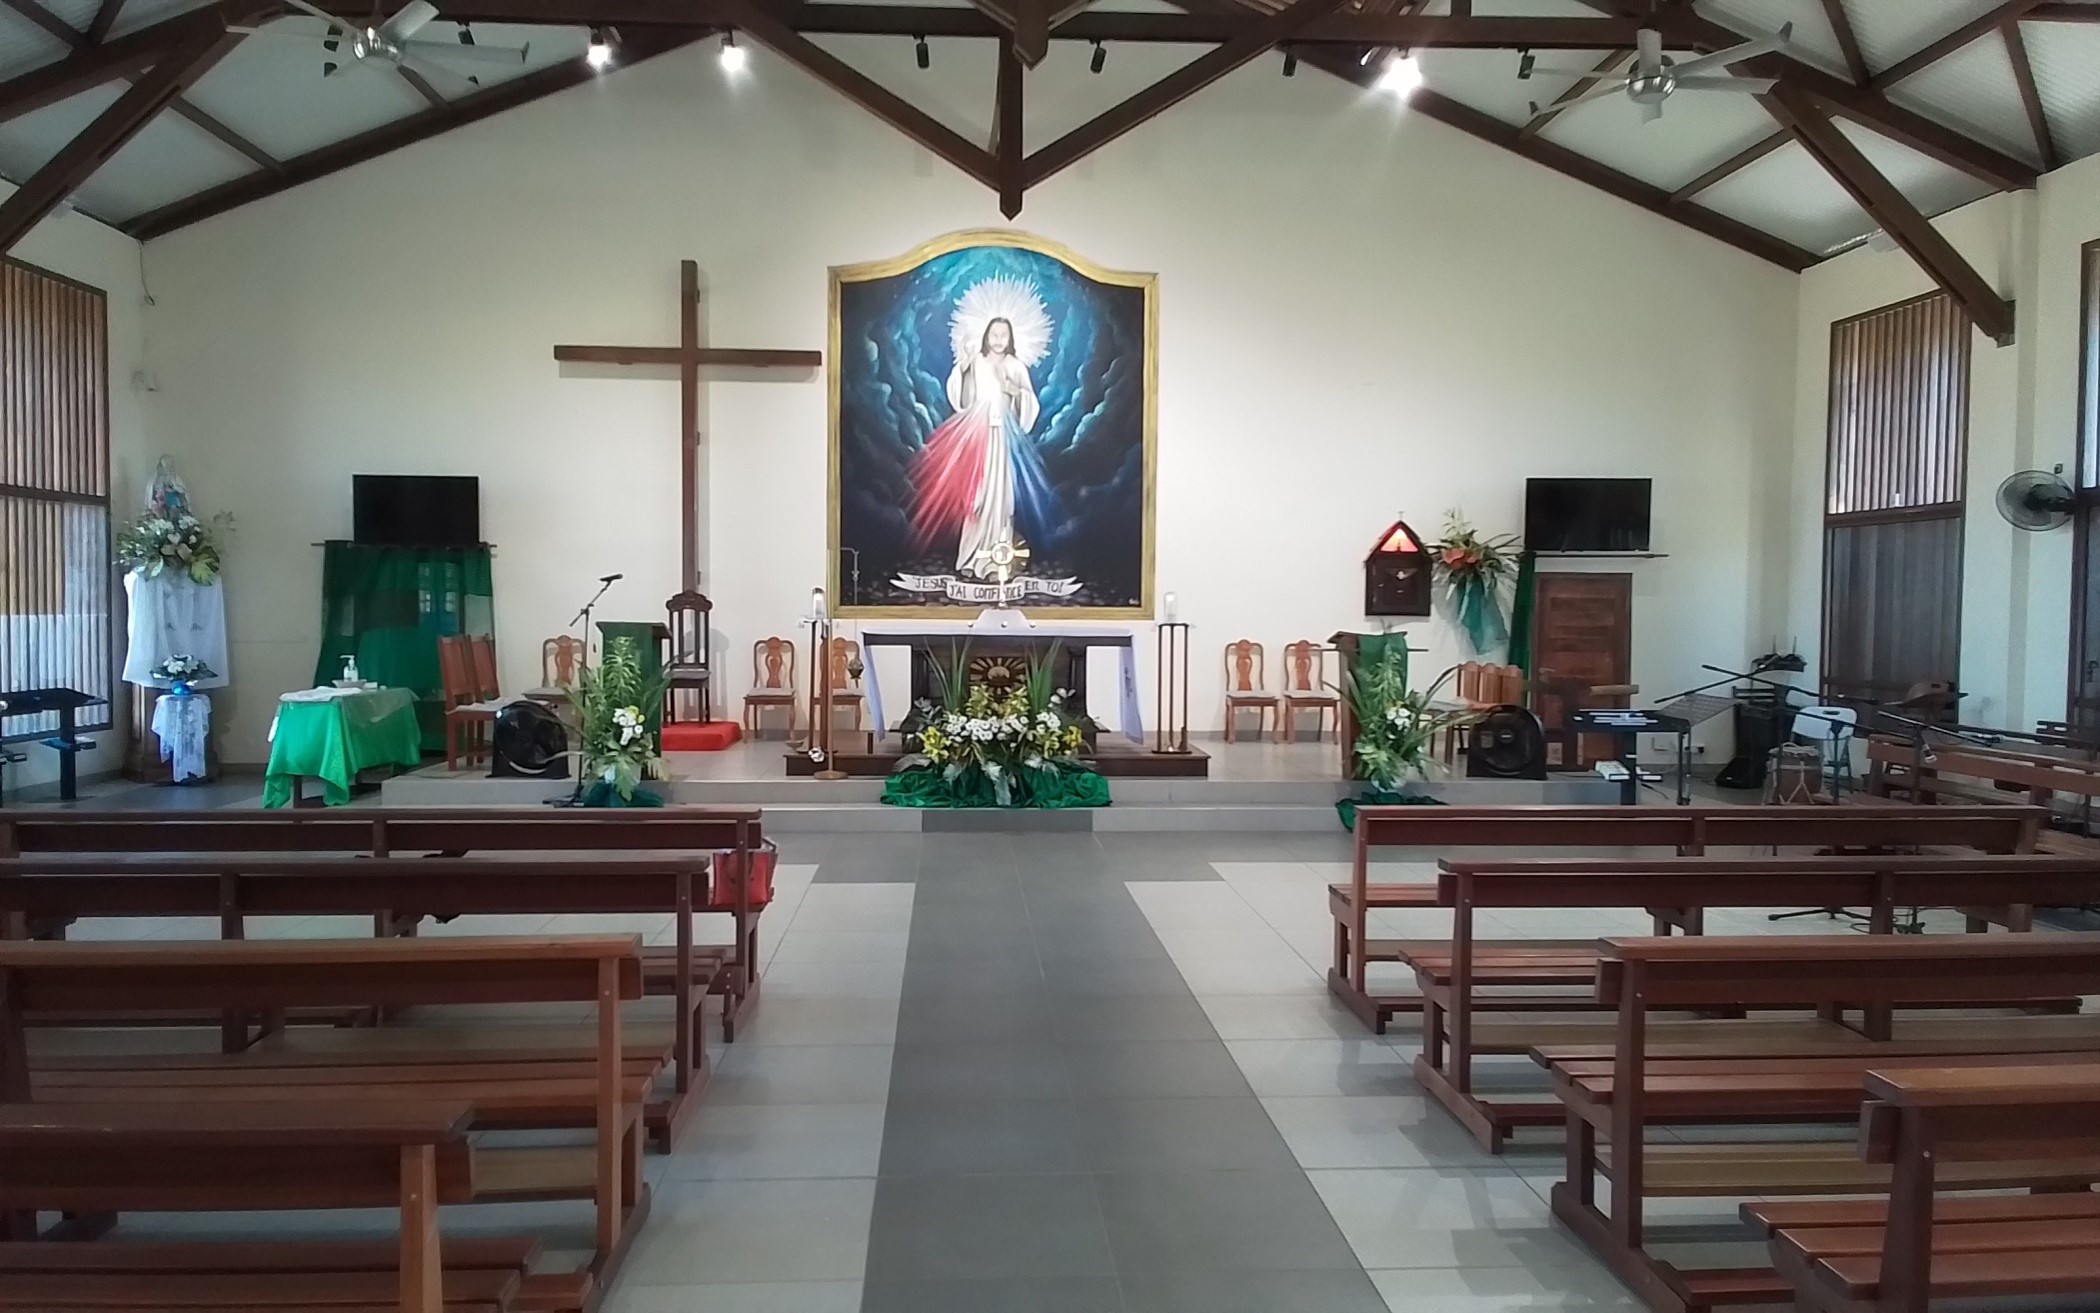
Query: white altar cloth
[[172, 615], [1006, 624]]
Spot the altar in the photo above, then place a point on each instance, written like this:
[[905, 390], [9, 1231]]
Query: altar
[[1006, 639]]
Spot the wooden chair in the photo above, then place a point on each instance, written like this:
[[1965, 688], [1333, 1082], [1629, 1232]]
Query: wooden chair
[[1245, 687], [469, 713], [1305, 687], [560, 656], [689, 618], [845, 685], [772, 682]]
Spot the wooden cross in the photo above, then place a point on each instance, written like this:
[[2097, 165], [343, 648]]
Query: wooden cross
[[689, 357]]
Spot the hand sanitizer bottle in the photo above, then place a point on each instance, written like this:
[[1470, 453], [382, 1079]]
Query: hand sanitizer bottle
[[350, 670]]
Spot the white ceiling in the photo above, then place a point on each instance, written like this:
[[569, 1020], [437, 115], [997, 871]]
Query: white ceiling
[[270, 91]]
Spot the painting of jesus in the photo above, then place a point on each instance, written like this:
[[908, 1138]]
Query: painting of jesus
[[992, 431]]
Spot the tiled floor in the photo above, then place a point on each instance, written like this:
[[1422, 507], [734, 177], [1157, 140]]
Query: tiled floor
[[1056, 1073]]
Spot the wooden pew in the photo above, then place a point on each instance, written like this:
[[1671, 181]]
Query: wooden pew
[[266, 976], [1450, 974], [1972, 773], [1894, 1256], [1612, 1104], [453, 831], [401, 891], [1686, 831], [108, 1159]]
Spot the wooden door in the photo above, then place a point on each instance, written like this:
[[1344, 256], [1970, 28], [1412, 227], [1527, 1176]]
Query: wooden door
[[1582, 633]]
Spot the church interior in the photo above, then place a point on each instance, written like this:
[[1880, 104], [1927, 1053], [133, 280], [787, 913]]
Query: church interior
[[1049, 656]]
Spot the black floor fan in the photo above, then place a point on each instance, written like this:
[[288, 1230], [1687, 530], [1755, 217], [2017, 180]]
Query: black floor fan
[[1506, 743]]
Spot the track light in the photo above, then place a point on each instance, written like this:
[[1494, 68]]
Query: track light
[[1100, 57], [925, 56], [1290, 63], [732, 55], [466, 35], [599, 53], [1526, 61], [1401, 74]]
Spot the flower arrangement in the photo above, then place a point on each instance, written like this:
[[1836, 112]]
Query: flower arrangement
[[1475, 568], [180, 672], [615, 745], [1395, 724], [172, 539], [1002, 746]]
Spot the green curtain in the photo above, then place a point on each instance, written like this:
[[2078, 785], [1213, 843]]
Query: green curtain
[[1520, 611], [388, 606]]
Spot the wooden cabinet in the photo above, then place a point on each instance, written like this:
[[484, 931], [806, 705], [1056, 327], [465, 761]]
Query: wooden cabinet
[[1581, 635]]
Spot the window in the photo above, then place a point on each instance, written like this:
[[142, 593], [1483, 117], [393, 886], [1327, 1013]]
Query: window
[[55, 618], [1892, 513], [2085, 517]]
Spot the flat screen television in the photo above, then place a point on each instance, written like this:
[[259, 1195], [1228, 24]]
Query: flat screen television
[[416, 510], [1586, 515]]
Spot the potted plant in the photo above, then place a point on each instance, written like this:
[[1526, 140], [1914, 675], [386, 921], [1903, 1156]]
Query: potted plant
[[981, 746], [1474, 569], [1395, 726], [617, 748]]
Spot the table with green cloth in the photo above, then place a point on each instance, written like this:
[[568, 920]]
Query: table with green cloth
[[334, 736]]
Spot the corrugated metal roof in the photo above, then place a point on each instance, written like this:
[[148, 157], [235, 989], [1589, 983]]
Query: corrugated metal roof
[[270, 90]]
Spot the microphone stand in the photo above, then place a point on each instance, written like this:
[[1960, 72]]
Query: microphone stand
[[584, 615]]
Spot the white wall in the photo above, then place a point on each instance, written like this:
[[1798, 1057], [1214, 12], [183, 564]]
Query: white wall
[[2015, 602], [79, 248], [1361, 313]]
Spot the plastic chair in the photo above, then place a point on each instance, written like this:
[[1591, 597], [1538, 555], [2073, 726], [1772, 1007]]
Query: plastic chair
[[1831, 729]]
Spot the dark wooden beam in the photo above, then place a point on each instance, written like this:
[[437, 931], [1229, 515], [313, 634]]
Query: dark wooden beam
[[78, 41], [819, 18], [187, 108], [1605, 68], [1735, 163], [1972, 31], [1488, 128], [933, 135], [1892, 210], [1684, 28], [90, 68], [720, 357], [1031, 37], [635, 46], [1175, 87], [78, 159], [1008, 143], [2065, 11], [2031, 96], [105, 18], [430, 94], [1848, 41]]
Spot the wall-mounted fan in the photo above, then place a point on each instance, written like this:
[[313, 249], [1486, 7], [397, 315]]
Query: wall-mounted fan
[[1655, 77], [2035, 500], [391, 42]]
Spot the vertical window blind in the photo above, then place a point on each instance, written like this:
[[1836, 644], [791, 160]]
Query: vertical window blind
[[55, 614], [1892, 513]]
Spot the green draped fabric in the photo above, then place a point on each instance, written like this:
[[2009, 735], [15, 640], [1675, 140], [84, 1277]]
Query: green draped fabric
[[388, 606], [925, 786], [1346, 808], [332, 741], [1520, 611]]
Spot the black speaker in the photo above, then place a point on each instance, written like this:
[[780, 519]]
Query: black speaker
[[529, 742], [1506, 743]]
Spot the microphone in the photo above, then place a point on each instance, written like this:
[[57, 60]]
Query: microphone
[[611, 578]]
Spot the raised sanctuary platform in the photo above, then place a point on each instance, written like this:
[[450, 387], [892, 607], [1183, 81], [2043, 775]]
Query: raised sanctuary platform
[[1251, 786], [1114, 757]]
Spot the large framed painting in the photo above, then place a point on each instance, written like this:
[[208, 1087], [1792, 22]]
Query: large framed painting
[[992, 431]]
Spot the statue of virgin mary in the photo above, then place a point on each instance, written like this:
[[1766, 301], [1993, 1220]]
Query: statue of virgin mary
[[978, 471]]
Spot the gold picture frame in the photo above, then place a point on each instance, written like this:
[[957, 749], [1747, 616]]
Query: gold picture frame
[[1146, 283]]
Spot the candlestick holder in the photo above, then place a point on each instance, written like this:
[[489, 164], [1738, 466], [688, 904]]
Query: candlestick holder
[[1171, 692]]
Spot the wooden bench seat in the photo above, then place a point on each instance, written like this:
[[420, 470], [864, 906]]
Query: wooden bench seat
[[1686, 831], [79, 1292], [400, 891], [1612, 1103], [604, 1093], [1932, 1128], [1469, 976]]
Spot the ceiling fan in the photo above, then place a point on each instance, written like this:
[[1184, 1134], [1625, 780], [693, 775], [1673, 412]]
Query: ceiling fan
[[1655, 76], [392, 42]]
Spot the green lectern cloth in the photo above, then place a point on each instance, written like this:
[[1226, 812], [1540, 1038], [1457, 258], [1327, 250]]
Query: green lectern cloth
[[334, 739]]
